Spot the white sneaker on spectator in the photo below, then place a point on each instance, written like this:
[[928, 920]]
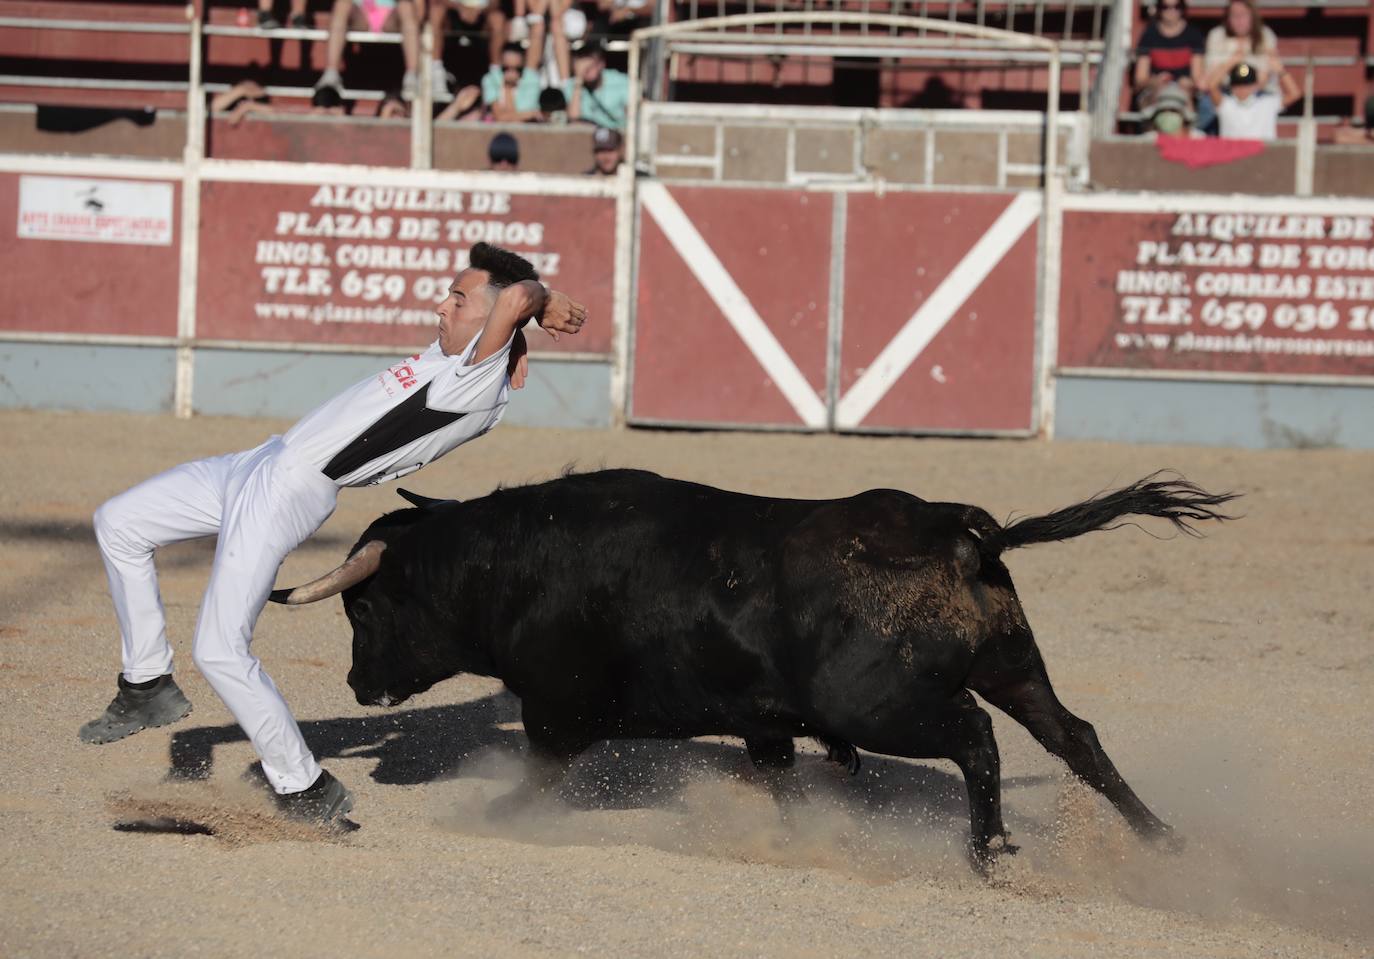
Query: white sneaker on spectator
[[439, 81], [330, 78], [409, 86]]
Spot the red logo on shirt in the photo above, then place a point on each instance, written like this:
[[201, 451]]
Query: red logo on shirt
[[405, 375]]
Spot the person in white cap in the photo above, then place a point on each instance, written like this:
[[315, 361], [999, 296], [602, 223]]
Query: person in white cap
[[263, 502], [606, 155]]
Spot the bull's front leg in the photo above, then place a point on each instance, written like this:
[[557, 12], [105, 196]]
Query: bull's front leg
[[775, 759], [553, 747]]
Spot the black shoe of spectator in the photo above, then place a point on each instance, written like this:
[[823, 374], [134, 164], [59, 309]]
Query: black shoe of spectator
[[267, 22], [301, 22]]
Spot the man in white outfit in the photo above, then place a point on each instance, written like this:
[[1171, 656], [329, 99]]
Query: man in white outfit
[[264, 502]]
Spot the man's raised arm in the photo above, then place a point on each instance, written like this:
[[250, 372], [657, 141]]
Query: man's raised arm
[[516, 305]]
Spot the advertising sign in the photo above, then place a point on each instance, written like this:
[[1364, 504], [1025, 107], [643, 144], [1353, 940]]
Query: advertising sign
[[1218, 292], [366, 264], [95, 211], [88, 256]]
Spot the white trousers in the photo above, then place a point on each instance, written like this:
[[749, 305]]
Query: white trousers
[[262, 503]]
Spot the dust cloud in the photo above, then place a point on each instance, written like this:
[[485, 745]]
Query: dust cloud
[[1244, 854]]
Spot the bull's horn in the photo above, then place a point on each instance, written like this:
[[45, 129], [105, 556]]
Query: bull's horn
[[355, 569], [424, 502]]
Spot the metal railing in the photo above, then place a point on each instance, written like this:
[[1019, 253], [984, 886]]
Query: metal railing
[[982, 13]]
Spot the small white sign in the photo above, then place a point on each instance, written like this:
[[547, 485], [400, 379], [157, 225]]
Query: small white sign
[[95, 211]]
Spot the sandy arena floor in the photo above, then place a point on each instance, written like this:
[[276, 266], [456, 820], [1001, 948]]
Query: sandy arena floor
[[1230, 678]]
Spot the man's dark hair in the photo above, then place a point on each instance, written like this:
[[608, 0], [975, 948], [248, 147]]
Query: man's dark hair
[[504, 148], [592, 48], [326, 98], [502, 266], [513, 47]]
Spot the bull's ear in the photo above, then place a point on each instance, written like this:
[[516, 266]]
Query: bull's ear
[[424, 502]]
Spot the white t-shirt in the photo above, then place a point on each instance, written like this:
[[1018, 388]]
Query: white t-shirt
[[1254, 118], [405, 417]]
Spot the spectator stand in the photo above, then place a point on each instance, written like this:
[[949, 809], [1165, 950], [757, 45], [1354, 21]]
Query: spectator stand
[[249, 259], [186, 49], [1327, 43], [859, 268]]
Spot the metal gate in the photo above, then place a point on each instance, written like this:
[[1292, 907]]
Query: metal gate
[[812, 310]]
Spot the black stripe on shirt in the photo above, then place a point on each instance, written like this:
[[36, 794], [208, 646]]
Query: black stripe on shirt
[[399, 426]]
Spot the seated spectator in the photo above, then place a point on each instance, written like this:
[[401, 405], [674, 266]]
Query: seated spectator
[[328, 101], [503, 153], [553, 106], [378, 16], [606, 155], [1170, 112], [489, 15], [392, 106], [1169, 54], [1248, 111], [595, 93], [620, 18], [1351, 135], [243, 98], [510, 89], [298, 20]]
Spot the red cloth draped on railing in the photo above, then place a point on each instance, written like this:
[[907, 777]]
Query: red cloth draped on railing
[[1205, 151]]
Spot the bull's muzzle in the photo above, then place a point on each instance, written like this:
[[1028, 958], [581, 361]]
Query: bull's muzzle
[[369, 698]]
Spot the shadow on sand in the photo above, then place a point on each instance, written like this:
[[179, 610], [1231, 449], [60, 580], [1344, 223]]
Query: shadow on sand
[[414, 746]]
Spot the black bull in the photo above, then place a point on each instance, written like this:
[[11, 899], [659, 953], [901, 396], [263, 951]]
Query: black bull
[[620, 604]]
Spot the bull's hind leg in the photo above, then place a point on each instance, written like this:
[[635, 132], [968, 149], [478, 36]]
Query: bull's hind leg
[[959, 730], [1010, 674]]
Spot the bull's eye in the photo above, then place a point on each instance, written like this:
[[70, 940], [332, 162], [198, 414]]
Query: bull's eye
[[360, 608]]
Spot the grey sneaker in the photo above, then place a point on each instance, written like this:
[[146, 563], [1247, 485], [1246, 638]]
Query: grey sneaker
[[440, 80], [325, 801], [136, 707], [330, 78]]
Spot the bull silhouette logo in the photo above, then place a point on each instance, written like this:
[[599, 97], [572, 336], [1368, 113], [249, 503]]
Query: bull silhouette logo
[[91, 201]]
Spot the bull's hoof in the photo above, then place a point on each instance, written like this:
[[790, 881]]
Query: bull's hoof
[[1165, 839], [844, 754], [983, 856]]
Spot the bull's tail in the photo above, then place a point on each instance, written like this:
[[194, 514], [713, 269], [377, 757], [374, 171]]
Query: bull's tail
[[1168, 496]]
